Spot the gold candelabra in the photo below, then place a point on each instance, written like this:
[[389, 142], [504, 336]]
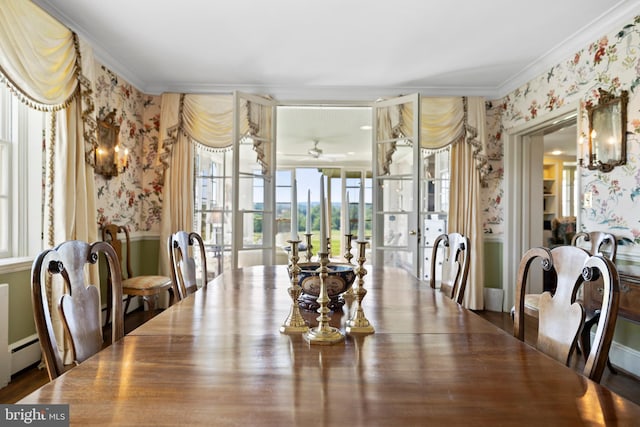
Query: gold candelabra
[[294, 323], [323, 334], [348, 296], [309, 247], [358, 323]]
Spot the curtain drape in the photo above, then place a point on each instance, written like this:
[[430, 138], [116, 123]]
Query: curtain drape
[[185, 119], [464, 199], [48, 68], [459, 123]]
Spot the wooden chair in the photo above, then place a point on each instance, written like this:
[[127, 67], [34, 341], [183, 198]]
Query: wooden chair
[[79, 307], [455, 266], [183, 263], [601, 244], [146, 286], [604, 244], [561, 317]]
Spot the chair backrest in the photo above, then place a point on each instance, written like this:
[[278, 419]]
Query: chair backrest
[[183, 263], [561, 318], [110, 234], [455, 266], [63, 268], [602, 243]]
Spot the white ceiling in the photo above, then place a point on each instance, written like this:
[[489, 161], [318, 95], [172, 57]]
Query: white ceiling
[[336, 49]]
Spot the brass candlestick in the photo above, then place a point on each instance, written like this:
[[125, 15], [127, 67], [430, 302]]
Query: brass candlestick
[[309, 247], [323, 333], [347, 249], [294, 323], [358, 324], [348, 296]]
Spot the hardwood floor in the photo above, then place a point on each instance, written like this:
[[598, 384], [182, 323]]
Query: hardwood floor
[[623, 383], [26, 381]]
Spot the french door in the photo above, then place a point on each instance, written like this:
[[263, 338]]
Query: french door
[[253, 180], [396, 178]]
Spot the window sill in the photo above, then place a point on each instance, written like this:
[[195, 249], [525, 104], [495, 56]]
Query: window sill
[[14, 265]]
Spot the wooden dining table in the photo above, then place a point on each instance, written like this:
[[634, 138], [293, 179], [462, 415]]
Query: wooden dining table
[[217, 358]]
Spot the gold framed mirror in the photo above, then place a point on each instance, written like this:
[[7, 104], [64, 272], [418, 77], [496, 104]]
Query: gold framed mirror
[[608, 131]]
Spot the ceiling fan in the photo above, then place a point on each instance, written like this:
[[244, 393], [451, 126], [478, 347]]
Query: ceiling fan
[[316, 153]]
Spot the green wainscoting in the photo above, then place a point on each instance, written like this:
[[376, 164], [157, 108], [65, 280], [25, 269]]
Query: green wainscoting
[[492, 264]]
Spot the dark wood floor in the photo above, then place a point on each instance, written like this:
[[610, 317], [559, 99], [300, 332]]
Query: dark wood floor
[[31, 378]]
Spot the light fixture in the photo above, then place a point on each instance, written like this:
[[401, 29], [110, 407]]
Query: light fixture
[[110, 159]]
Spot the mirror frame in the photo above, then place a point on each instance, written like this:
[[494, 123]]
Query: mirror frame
[[604, 111]]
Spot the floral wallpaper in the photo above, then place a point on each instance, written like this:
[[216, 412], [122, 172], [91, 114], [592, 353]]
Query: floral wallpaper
[[133, 197], [611, 63]]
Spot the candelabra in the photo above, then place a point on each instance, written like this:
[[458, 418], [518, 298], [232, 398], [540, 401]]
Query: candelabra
[[294, 323], [348, 296], [358, 323], [323, 333], [309, 247]]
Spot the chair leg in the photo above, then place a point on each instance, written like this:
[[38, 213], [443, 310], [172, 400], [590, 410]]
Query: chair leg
[[151, 305], [126, 304]]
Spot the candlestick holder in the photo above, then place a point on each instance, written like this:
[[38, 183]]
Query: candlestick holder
[[294, 323], [323, 334], [358, 323], [347, 250], [348, 296], [309, 247]]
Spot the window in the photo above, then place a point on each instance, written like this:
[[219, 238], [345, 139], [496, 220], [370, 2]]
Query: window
[[21, 153]]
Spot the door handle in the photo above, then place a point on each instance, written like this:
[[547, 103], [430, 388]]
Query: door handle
[[412, 232]]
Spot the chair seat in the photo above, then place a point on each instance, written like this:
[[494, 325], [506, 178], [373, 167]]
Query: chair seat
[[146, 285], [531, 304]]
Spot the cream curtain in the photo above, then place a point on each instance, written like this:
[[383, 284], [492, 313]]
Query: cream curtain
[[459, 123], [184, 119], [42, 63], [464, 199], [441, 122]]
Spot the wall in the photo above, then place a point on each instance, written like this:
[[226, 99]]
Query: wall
[[612, 63], [133, 197]]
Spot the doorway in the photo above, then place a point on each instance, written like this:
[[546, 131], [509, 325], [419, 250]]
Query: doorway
[[523, 217], [332, 141]]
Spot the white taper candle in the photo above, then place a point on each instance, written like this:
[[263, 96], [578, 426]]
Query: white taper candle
[[323, 219], [361, 210], [308, 230], [294, 211]]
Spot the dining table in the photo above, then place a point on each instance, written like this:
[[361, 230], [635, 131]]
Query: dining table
[[218, 358]]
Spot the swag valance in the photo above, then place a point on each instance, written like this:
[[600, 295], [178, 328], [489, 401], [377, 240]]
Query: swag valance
[[207, 120], [42, 63]]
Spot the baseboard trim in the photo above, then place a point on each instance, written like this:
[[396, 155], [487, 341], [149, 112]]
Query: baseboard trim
[[625, 358], [24, 353]]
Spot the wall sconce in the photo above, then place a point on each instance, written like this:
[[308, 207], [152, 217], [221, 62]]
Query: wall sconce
[[607, 132], [110, 159]]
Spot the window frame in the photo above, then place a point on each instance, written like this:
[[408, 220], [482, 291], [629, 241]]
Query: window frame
[[22, 131]]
